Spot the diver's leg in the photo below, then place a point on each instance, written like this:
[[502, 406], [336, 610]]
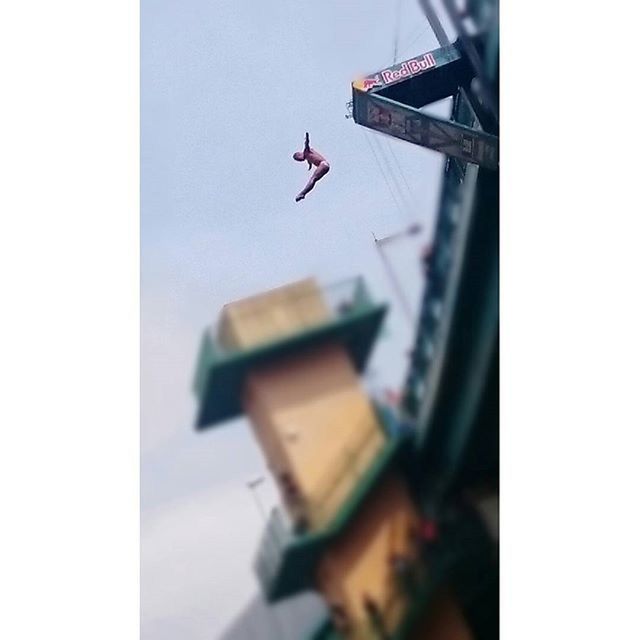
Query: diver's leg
[[322, 170]]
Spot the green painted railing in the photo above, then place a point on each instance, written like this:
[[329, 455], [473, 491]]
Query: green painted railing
[[340, 300]]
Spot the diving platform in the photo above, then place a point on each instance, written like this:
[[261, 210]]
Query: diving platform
[[392, 100]]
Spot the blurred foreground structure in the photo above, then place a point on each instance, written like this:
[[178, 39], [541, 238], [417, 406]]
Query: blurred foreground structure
[[391, 517]]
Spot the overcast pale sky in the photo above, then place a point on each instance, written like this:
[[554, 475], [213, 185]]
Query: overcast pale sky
[[228, 89]]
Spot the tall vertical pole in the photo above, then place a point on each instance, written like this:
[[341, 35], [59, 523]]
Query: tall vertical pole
[[251, 485], [395, 283], [435, 23]]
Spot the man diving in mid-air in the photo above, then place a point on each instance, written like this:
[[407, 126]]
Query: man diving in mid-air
[[313, 158]]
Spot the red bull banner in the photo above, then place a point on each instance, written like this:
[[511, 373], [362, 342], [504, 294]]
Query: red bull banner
[[400, 71], [408, 68]]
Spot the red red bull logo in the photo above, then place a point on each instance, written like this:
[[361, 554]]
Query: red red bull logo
[[408, 68], [370, 83]]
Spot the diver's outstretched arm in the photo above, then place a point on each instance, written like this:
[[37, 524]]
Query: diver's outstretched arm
[[307, 148]]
